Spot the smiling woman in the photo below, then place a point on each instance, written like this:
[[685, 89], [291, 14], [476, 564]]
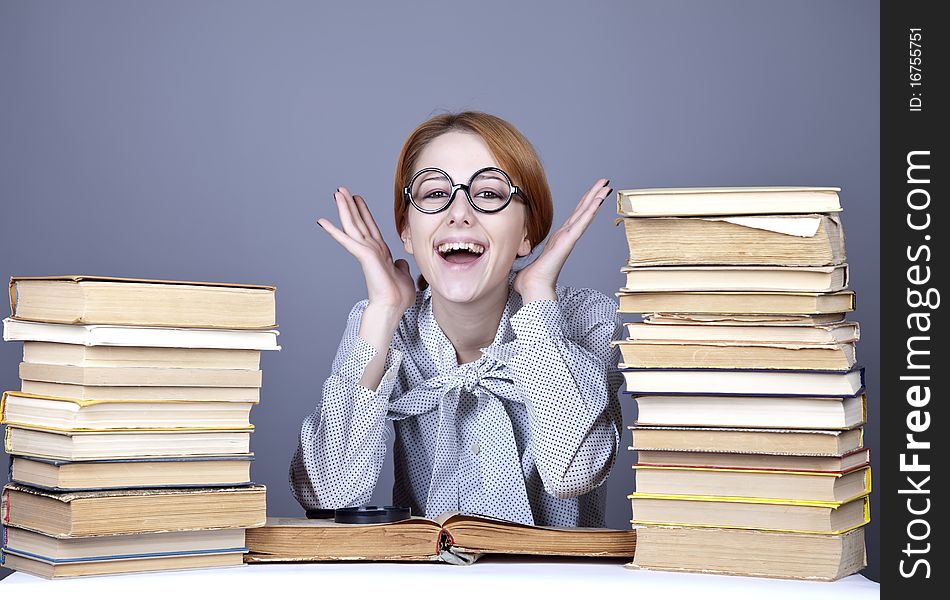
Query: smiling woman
[[501, 384]]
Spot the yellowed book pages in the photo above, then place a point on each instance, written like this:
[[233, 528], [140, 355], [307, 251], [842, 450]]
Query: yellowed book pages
[[417, 538], [300, 540], [131, 565], [107, 546], [125, 301], [752, 411], [140, 376], [753, 483], [689, 458], [766, 303], [52, 353], [741, 320], [157, 393], [813, 442], [736, 278], [92, 445], [698, 201], [761, 240], [723, 355], [74, 514], [750, 553], [70, 414], [744, 333], [190, 471], [771, 514]]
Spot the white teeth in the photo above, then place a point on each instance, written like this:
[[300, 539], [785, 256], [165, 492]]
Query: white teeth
[[470, 246]]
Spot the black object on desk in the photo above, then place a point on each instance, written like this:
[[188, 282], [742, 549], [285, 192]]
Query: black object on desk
[[363, 515], [321, 513]]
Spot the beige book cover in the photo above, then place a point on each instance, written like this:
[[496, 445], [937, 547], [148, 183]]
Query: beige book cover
[[86, 299], [697, 201]]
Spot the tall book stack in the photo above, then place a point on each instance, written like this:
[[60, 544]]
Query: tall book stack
[[750, 404], [129, 439]]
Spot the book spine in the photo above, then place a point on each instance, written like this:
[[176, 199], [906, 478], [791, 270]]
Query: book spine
[[13, 297], [444, 542], [829, 504], [6, 507]]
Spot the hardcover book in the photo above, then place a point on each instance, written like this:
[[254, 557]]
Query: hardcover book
[[748, 482], [790, 240], [700, 201], [109, 512], [658, 354], [802, 442], [859, 457], [113, 566], [700, 318], [70, 414], [157, 393], [128, 335], [784, 412], [743, 303], [184, 471], [770, 514], [453, 537], [91, 445], [151, 376], [50, 557], [735, 278], [124, 301], [78, 355], [738, 382], [750, 553], [744, 332]]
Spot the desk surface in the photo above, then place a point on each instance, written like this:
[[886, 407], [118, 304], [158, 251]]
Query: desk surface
[[491, 578]]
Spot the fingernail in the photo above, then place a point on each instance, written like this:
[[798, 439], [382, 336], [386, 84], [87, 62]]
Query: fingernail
[[338, 189], [321, 225], [607, 182]]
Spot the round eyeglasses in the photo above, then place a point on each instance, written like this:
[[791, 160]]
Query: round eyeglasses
[[489, 190]]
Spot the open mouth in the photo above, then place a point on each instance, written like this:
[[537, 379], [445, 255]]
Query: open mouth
[[461, 253]]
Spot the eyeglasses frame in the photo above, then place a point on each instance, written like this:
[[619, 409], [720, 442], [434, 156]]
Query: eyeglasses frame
[[463, 186]]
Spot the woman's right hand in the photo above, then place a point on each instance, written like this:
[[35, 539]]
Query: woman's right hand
[[388, 283]]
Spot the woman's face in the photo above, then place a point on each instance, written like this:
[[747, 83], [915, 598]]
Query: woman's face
[[460, 275]]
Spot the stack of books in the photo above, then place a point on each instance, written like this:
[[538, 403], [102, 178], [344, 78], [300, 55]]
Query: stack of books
[[129, 439], [750, 402]]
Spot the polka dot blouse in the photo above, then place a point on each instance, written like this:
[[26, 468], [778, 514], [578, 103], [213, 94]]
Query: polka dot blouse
[[528, 432]]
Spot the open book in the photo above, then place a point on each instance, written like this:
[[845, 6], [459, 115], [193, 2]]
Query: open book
[[453, 538]]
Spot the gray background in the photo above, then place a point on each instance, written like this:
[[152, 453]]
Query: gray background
[[201, 140]]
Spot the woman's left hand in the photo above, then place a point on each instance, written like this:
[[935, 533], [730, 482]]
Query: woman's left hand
[[537, 281]]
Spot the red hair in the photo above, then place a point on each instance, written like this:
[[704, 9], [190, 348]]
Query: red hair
[[514, 153]]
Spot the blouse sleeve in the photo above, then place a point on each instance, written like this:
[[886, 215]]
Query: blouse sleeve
[[567, 370], [343, 442]]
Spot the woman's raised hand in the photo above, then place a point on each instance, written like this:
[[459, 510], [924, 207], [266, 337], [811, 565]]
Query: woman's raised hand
[[388, 283], [538, 280]]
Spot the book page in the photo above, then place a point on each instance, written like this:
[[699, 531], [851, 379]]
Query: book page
[[804, 226]]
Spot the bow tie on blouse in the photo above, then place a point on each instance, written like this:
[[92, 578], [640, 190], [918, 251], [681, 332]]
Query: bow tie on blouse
[[492, 383]]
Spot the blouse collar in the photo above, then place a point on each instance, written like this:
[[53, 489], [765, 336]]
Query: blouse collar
[[441, 349]]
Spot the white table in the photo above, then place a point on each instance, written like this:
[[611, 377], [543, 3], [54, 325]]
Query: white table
[[491, 578]]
